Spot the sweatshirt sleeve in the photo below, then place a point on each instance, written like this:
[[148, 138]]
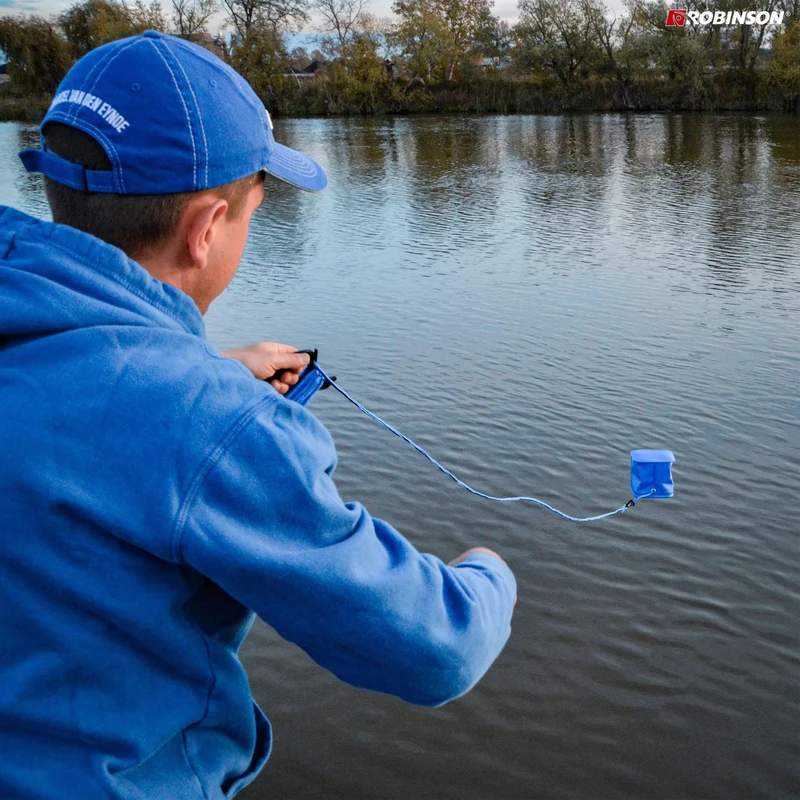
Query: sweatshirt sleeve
[[266, 523]]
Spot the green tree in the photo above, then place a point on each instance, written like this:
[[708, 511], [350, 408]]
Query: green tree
[[679, 54], [437, 34], [362, 60], [462, 21], [557, 37], [783, 69], [299, 58], [256, 47], [418, 36], [493, 38], [612, 36], [37, 55], [261, 58], [92, 23], [745, 43]]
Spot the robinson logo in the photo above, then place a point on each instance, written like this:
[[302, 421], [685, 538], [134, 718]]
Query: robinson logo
[[676, 17]]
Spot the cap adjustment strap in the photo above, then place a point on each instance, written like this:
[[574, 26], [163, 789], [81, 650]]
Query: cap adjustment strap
[[68, 173]]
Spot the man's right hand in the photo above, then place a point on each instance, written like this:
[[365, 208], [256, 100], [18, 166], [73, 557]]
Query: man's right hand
[[471, 552], [266, 359]]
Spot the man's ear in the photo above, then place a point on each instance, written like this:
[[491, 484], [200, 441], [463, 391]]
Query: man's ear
[[203, 227]]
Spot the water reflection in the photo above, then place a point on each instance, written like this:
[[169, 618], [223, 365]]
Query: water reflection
[[530, 298], [713, 193]]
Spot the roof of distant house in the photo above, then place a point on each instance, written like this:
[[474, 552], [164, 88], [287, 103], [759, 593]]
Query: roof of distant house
[[307, 72], [498, 62]]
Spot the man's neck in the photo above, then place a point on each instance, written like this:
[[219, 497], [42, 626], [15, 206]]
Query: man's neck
[[163, 267]]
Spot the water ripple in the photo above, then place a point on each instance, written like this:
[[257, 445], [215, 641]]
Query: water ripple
[[531, 298]]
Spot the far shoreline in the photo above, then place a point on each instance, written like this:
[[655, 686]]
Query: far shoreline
[[487, 97]]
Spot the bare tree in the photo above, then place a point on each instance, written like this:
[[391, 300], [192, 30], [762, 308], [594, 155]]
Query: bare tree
[[253, 16], [340, 16], [191, 16], [144, 16], [791, 9], [610, 39]]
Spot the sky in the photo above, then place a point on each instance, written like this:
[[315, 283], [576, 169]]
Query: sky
[[505, 9], [28, 6]]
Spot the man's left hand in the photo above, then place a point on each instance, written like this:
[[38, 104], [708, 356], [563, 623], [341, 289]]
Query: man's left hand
[[264, 359]]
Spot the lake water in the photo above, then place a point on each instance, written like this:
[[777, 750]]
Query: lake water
[[531, 298]]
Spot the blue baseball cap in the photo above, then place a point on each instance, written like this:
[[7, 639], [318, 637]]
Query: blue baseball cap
[[172, 117]]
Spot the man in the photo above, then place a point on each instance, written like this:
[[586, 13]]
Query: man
[[155, 494]]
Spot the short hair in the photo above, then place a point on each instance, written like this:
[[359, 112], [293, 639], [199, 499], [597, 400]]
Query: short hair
[[135, 223]]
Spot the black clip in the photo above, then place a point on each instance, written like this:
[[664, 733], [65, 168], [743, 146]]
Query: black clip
[[278, 374], [313, 355], [630, 504]]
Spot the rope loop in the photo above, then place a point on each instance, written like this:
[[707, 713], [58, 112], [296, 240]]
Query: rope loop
[[423, 452]]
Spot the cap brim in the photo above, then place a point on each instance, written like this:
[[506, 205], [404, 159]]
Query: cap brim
[[295, 168]]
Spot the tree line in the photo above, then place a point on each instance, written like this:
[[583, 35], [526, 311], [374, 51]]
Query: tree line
[[441, 55]]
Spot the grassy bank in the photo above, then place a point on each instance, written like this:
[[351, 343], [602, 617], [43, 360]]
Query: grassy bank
[[339, 94], [23, 109]]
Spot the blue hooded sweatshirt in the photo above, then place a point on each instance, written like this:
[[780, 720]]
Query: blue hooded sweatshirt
[[154, 496]]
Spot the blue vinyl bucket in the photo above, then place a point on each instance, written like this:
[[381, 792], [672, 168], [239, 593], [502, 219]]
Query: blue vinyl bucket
[[651, 473]]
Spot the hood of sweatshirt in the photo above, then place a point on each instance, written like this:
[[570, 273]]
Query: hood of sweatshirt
[[55, 279]]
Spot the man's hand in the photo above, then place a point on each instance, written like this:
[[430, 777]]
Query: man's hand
[[266, 358], [471, 552]]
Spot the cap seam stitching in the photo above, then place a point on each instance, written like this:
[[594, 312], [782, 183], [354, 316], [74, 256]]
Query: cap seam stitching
[[74, 115], [119, 52], [199, 117], [108, 63], [100, 177], [72, 119], [185, 109], [297, 164], [98, 64], [267, 127]]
